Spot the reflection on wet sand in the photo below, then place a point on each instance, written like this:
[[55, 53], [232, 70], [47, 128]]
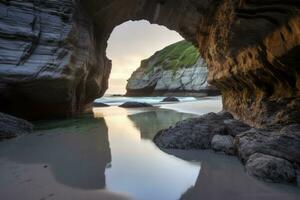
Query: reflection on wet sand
[[138, 167], [151, 122], [223, 177], [88, 158]]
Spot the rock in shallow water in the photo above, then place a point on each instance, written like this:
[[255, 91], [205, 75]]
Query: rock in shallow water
[[11, 127], [280, 146], [271, 169], [170, 99], [223, 143], [196, 133], [132, 104], [99, 104]]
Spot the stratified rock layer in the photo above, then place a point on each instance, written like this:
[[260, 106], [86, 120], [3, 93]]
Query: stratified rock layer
[[176, 69], [53, 54], [50, 61]]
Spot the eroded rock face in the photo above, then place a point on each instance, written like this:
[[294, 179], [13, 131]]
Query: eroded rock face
[[160, 82], [53, 55], [177, 69], [50, 59], [251, 53]]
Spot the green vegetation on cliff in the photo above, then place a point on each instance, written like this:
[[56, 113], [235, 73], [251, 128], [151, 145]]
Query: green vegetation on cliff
[[182, 54]]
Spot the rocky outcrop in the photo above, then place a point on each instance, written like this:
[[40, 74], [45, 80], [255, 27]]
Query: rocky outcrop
[[271, 153], [133, 104], [170, 99], [176, 69], [197, 133], [50, 59], [99, 104], [11, 127], [53, 54]]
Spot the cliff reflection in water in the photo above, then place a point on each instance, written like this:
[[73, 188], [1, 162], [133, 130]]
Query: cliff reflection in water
[[109, 157], [138, 167]]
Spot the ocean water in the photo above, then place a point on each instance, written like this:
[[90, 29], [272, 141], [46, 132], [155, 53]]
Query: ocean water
[[118, 100]]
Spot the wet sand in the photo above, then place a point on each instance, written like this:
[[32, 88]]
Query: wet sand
[[224, 177], [113, 157]]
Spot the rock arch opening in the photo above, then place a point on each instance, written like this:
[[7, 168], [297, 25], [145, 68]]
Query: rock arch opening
[[129, 44], [59, 47]]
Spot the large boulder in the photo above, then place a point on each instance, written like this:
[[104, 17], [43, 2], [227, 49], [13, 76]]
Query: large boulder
[[223, 143], [170, 99], [271, 169], [11, 126], [133, 104], [196, 133]]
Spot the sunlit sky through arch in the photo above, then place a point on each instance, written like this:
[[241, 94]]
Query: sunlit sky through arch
[[130, 43]]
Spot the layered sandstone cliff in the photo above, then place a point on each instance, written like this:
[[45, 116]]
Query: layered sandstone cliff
[[177, 69], [49, 59], [53, 58]]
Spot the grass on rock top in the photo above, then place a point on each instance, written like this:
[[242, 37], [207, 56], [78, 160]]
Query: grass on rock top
[[182, 54]]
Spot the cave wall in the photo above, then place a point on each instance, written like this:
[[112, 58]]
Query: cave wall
[[251, 49], [49, 63], [53, 60]]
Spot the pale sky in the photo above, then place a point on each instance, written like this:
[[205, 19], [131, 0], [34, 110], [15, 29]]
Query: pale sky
[[130, 43]]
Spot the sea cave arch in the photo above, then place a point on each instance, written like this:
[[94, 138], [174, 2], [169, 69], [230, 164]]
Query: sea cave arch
[[129, 44], [250, 47]]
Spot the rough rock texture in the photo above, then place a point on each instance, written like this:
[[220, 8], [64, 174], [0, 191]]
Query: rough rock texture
[[271, 169], [50, 58], [279, 142], [11, 127], [271, 153], [133, 104], [223, 143], [251, 48], [177, 68], [196, 133]]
